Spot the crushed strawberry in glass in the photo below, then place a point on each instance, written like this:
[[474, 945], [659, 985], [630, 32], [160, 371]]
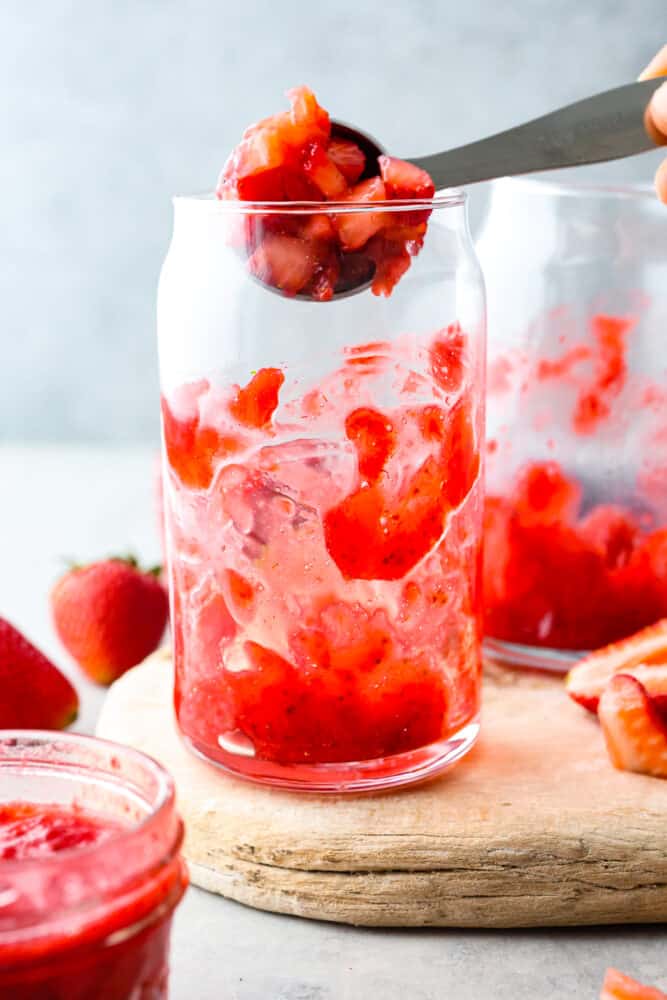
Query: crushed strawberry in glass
[[324, 551], [293, 157]]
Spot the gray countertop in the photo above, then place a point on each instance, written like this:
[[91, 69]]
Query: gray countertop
[[86, 503]]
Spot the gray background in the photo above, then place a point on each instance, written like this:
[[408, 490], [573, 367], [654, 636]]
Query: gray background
[[110, 106]]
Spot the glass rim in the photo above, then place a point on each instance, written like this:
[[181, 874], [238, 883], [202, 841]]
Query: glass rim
[[161, 803], [447, 198], [640, 190]]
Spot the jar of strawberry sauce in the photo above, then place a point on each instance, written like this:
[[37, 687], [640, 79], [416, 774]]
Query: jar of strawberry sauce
[[576, 510], [90, 869], [322, 454]]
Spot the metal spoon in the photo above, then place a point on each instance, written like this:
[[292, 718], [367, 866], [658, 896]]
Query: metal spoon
[[608, 126]]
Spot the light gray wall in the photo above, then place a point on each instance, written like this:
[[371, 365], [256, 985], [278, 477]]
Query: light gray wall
[[110, 106]]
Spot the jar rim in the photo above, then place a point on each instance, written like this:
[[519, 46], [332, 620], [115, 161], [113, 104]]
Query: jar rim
[[447, 198], [160, 805]]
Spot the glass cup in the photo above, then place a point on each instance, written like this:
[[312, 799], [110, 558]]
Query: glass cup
[[576, 511], [323, 501], [92, 922]]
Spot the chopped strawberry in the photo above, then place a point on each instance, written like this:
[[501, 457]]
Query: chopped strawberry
[[634, 731], [349, 693], [612, 532], [290, 157], [356, 228], [306, 111], [321, 171], [374, 437], [617, 986], [241, 596], [448, 357], [543, 494], [404, 180], [637, 655], [284, 262], [371, 536], [460, 454], [193, 446], [255, 403], [392, 260], [349, 159]]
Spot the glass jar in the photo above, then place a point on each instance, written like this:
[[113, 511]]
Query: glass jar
[[576, 512], [323, 504], [91, 922]]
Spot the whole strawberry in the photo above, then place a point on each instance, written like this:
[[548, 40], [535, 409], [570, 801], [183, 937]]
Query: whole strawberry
[[33, 692], [109, 616]]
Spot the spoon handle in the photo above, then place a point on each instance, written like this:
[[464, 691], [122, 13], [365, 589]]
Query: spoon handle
[[607, 126]]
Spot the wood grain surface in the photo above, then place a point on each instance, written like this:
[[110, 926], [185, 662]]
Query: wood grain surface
[[533, 828]]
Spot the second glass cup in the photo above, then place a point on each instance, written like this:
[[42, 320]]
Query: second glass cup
[[323, 500], [576, 512]]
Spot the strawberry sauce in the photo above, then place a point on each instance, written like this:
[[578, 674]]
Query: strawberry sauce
[[30, 831], [324, 547], [111, 945]]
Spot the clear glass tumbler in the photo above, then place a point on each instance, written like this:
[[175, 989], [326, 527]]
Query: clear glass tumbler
[[91, 922], [323, 503], [576, 513]]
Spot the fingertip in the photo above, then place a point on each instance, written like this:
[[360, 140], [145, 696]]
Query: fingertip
[[661, 182], [655, 116], [657, 66]]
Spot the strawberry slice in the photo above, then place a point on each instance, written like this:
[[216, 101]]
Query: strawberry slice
[[617, 986], [635, 733], [356, 228], [349, 159], [642, 655]]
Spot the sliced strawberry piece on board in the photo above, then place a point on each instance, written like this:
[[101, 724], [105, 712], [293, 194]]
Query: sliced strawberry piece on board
[[646, 649], [617, 986], [635, 734]]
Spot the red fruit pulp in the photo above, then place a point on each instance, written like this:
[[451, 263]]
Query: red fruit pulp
[[561, 571], [325, 600], [29, 831], [291, 157], [118, 950], [554, 577]]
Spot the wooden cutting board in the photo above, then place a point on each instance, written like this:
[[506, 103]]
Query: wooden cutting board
[[533, 828]]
